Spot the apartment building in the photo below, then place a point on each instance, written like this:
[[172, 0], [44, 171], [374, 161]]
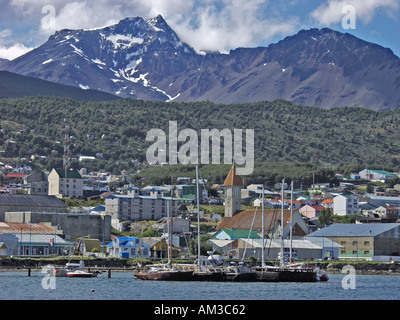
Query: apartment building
[[65, 184], [345, 204], [135, 206]]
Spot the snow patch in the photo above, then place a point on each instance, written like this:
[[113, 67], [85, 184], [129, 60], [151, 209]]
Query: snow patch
[[122, 42], [84, 87], [97, 61], [47, 61]]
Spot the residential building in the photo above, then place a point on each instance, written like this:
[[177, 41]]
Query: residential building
[[363, 241], [128, 247], [65, 183], [345, 204], [327, 203], [36, 183], [137, 207], [311, 212]]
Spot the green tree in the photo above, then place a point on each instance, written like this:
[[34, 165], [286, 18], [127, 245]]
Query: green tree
[[325, 217]]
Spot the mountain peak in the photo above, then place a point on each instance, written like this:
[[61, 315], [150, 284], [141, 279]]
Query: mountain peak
[[145, 59]]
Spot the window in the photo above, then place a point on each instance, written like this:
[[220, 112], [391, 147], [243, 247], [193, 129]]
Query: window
[[354, 243], [366, 243], [343, 243]]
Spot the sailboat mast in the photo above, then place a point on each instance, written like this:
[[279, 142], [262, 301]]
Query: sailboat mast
[[282, 225], [291, 221], [263, 241], [198, 217], [171, 229]]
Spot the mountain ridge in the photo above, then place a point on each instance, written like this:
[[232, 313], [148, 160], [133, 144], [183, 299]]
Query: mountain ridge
[[145, 59], [13, 85]]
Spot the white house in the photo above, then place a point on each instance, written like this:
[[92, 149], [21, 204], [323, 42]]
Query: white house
[[345, 204]]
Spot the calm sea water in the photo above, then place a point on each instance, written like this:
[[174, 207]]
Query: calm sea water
[[123, 285]]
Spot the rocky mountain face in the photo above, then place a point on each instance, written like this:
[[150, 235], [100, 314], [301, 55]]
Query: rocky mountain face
[[3, 61], [146, 60]]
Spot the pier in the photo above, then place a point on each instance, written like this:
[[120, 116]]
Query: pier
[[29, 269]]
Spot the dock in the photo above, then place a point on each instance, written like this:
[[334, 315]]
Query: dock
[[29, 269]]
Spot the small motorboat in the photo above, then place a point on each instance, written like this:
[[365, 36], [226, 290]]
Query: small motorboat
[[81, 274]]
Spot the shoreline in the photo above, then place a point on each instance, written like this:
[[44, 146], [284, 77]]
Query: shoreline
[[127, 265]]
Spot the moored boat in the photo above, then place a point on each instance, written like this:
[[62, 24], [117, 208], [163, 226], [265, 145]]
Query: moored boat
[[81, 274], [164, 273]]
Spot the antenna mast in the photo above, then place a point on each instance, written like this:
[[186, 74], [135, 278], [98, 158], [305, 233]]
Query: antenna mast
[[66, 156]]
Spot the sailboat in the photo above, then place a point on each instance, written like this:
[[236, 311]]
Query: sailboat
[[284, 272], [207, 269], [166, 272]]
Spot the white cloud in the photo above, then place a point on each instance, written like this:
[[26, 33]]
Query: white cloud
[[14, 51], [235, 24], [206, 25], [331, 12], [8, 49]]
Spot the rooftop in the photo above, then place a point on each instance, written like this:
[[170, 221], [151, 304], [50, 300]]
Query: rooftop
[[352, 230], [233, 179]]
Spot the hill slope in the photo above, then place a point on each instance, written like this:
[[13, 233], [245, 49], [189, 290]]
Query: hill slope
[[117, 129], [14, 85], [146, 60]]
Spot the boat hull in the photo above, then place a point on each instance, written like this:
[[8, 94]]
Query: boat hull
[[165, 275], [81, 275], [286, 275]]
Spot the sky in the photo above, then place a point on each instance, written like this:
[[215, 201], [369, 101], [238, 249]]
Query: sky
[[209, 25]]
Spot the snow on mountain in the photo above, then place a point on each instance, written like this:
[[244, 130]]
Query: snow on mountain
[[145, 59]]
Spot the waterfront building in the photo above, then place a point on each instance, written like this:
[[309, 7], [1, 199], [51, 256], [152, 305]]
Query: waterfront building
[[35, 240], [364, 241], [32, 203], [128, 247]]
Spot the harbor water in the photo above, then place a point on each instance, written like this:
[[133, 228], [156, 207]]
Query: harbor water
[[123, 285]]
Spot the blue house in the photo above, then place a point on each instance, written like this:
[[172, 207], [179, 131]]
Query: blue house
[[128, 247]]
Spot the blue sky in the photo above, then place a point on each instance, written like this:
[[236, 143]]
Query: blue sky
[[206, 25]]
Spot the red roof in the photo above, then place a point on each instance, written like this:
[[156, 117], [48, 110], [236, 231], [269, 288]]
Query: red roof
[[15, 175]]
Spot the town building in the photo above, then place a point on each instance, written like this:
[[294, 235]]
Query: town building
[[32, 203], [34, 240], [364, 241], [345, 204], [36, 183], [311, 212], [376, 175], [233, 199], [134, 206], [71, 225], [65, 183], [128, 247]]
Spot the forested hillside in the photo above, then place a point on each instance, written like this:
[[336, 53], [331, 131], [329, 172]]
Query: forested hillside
[[284, 132]]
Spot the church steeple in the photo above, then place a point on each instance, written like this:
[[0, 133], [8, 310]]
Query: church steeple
[[233, 185]]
